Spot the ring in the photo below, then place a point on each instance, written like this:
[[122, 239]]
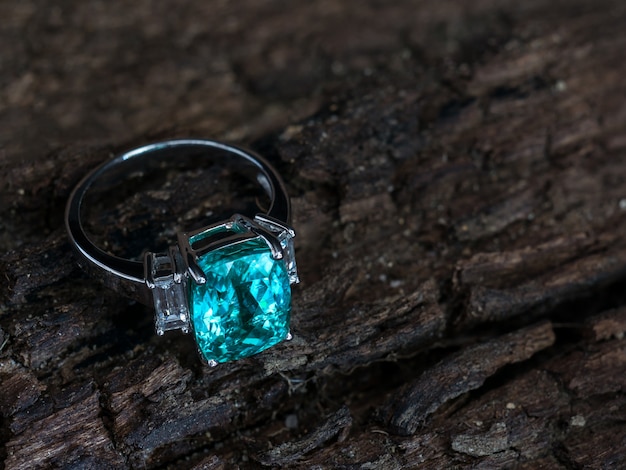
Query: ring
[[228, 282]]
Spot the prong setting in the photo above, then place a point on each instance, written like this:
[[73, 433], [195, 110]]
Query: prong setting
[[194, 270], [195, 246], [270, 239], [285, 236], [238, 229], [168, 275]]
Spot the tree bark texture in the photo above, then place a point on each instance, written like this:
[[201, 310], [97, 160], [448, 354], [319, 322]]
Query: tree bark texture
[[458, 179]]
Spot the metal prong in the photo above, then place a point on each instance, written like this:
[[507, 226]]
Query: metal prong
[[289, 337], [275, 225], [179, 267], [148, 269], [236, 219], [194, 270], [272, 241], [212, 363]]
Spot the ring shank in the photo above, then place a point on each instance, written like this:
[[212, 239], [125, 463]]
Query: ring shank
[[127, 276]]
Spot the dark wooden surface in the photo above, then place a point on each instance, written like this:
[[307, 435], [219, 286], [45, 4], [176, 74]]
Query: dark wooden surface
[[459, 190]]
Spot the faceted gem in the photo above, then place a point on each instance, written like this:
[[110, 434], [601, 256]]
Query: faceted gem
[[170, 307], [245, 305], [170, 300]]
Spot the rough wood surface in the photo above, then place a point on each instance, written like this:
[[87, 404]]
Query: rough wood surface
[[459, 191]]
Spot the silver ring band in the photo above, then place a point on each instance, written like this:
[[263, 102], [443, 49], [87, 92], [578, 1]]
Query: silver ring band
[[127, 276], [228, 282]]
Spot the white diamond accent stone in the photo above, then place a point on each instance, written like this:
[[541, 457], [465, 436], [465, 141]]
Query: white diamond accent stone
[[171, 310], [170, 306]]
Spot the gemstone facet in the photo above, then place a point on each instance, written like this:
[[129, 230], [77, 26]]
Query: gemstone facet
[[171, 311], [244, 307]]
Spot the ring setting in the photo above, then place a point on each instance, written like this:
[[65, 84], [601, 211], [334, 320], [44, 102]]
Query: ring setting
[[229, 283]]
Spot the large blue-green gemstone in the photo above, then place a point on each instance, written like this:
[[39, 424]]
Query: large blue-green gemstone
[[244, 306]]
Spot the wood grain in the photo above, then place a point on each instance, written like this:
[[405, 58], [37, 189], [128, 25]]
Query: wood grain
[[458, 176]]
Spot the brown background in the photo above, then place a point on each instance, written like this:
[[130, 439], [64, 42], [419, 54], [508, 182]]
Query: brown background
[[458, 180]]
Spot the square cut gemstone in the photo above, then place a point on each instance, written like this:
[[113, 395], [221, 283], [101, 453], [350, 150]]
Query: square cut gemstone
[[245, 305], [170, 307], [171, 311]]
